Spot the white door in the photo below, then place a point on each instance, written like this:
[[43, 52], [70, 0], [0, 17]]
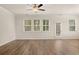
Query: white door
[[58, 30]]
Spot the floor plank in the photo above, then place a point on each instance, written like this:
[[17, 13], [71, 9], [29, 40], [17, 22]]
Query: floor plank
[[41, 47]]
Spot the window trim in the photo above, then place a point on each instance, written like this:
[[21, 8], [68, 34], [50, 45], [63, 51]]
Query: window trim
[[26, 25], [46, 25], [37, 25]]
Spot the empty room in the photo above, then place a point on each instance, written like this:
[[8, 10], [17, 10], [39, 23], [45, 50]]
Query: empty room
[[39, 29]]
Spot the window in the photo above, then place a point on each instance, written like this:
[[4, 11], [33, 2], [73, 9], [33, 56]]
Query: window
[[27, 25], [72, 25], [45, 25], [36, 25]]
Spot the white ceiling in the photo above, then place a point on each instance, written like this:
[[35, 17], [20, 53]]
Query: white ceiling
[[50, 8]]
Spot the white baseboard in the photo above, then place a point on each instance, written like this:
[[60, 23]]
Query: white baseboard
[[31, 38], [6, 42]]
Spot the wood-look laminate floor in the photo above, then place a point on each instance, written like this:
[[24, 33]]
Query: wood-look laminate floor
[[41, 47]]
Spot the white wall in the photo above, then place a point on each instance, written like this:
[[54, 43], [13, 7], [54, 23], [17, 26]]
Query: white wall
[[64, 20], [53, 18], [20, 34], [7, 30]]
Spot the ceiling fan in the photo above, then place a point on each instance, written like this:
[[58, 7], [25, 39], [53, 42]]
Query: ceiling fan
[[37, 7]]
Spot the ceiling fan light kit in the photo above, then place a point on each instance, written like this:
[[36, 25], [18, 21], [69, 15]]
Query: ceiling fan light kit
[[35, 9]]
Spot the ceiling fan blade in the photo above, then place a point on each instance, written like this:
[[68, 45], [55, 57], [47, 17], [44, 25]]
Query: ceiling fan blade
[[29, 9], [40, 5], [41, 9]]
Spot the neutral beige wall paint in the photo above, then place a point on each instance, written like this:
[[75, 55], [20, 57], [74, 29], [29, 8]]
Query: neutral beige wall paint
[[7, 30], [53, 18]]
